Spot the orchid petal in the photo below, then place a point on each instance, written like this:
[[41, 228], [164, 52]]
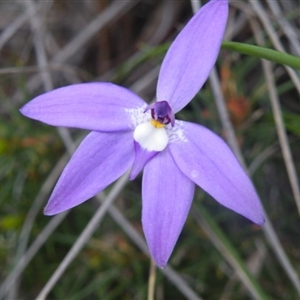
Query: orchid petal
[[167, 197], [93, 106], [206, 159], [192, 55], [99, 160], [142, 156]]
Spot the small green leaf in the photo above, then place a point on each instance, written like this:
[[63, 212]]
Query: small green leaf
[[292, 122]]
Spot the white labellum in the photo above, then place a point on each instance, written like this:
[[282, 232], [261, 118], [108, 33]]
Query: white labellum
[[150, 137]]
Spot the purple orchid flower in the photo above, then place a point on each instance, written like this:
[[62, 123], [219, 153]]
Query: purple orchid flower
[[128, 133]]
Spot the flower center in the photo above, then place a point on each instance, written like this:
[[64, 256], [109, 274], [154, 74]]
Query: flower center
[[161, 114], [157, 124], [153, 136]]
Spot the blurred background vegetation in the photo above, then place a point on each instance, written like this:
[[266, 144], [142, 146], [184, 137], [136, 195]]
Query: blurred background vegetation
[[219, 255]]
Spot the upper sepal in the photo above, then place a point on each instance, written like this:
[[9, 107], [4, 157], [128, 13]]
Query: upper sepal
[[192, 55]]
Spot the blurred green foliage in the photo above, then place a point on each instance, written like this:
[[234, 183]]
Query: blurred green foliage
[[110, 266]]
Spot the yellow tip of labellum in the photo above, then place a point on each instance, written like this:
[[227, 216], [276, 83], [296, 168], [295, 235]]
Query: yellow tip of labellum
[[157, 124]]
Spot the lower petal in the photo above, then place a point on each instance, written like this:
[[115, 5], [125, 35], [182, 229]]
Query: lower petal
[[142, 156], [206, 159], [99, 160], [167, 197]]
